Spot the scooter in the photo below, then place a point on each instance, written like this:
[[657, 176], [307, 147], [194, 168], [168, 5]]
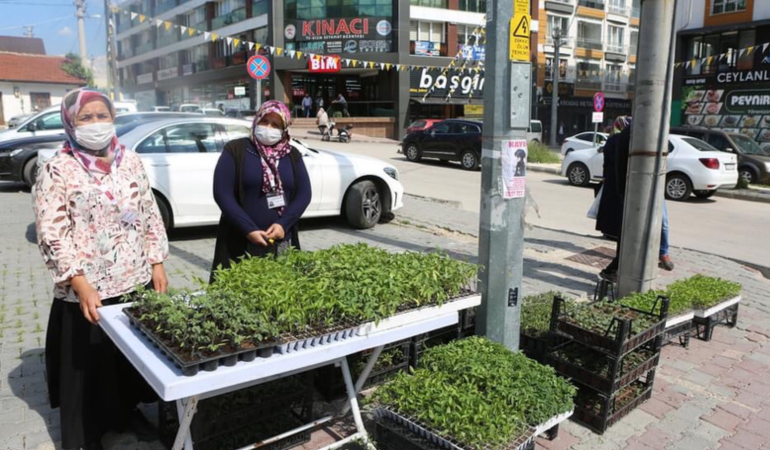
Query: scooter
[[343, 135]]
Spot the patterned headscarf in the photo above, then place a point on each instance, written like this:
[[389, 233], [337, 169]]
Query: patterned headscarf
[[620, 124], [70, 106], [272, 153]]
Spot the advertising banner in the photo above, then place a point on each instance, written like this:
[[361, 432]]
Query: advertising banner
[[472, 52], [464, 84], [341, 35], [427, 48]]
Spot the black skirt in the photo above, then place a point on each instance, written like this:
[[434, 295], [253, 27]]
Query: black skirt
[[88, 377]]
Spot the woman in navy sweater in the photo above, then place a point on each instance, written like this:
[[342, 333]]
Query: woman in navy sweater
[[262, 187]]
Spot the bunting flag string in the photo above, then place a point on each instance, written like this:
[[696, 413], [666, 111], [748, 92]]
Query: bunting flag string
[[722, 57]]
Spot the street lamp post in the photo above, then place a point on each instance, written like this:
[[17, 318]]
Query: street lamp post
[[555, 66]]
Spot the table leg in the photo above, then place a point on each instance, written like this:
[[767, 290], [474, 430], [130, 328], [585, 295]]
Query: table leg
[[186, 409], [353, 400], [365, 374]]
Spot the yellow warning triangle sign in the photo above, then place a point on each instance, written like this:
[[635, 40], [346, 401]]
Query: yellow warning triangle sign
[[522, 29]]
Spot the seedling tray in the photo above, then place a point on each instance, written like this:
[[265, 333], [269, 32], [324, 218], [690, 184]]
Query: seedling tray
[[425, 434], [612, 408], [704, 326], [681, 330], [702, 313], [606, 384], [438, 337], [617, 340], [211, 363], [467, 300]]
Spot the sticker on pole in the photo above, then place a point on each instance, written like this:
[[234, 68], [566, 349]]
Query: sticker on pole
[[258, 67], [598, 102], [598, 117], [514, 163], [519, 38]]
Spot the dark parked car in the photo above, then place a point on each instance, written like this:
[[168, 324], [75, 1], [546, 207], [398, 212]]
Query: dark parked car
[[753, 160], [449, 140], [18, 157], [421, 124]]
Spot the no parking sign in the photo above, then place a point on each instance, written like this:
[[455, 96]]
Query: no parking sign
[[258, 67]]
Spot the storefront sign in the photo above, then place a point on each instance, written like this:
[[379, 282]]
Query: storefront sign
[[239, 91], [144, 78], [341, 35], [472, 52], [421, 82], [473, 110], [750, 76], [613, 104], [188, 69], [324, 64], [427, 48], [166, 74]]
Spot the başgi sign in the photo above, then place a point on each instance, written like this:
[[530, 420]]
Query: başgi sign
[[464, 84], [341, 35], [736, 101]]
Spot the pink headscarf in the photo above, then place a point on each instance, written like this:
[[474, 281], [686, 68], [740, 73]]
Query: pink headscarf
[[272, 153], [70, 106]]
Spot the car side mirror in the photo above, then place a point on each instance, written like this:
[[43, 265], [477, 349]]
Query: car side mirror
[[600, 149], [729, 149], [32, 127]]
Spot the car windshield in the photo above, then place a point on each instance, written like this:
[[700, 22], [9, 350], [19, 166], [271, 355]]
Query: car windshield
[[748, 146], [699, 145]]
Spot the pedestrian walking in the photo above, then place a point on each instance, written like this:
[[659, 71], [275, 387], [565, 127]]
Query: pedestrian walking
[[319, 101], [307, 104], [101, 235], [343, 104], [561, 133], [262, 187], [322, 120]]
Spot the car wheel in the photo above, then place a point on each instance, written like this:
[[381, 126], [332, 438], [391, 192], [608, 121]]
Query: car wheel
[[30, 172], [165, 212], [469, 160], [748, 175], [678, 187], [578, 174], [413, 153], [705, 194], [363, 205]]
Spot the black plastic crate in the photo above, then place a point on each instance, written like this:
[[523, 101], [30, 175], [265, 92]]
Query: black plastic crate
[[253, 433], [427, 340], [468, 319], [392, 436], [680, 332], [617, 339], [330, 384], [598, 412], [704, 326]]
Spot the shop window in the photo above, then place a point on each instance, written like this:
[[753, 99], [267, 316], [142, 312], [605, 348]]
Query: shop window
[[727, 6], [40, 100]]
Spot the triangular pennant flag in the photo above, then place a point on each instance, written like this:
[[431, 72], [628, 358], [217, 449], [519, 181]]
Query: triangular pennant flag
[[750, 49], [257, 46], [251, 45], [355, 62], [299, 55], [676, 65], [229, 40], [371, 65], [158, 23], [387, 66], [279, 50], [764, 47], [687, 65], [190, 31], [214, 37], [740, 54], [291, 53], [206, 35], [722, 56], [142, 18], [167, 25], [184, 29], [272, 50], [236, 42], [133, 15], [709, 59], [347, 62]]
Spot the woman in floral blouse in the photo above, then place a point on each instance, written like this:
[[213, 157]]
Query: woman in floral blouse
[[101, 235]]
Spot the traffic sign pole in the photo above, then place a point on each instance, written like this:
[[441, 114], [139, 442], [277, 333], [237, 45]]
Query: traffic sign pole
[[598, 108], [258, 67]]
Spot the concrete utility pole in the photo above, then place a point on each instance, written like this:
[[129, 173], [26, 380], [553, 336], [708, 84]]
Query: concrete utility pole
[[555, 68], [506, 119], [649, 145], [80, 13], [112, 49]]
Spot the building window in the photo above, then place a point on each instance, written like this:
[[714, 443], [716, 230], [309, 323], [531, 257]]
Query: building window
[[634, 42], [613, 78], [40, 100], [427, 31], [479, 6], [557, 23], [618, 7], [727, 6], [589, 35], [549, 69], [169, 61], [616, 39], [588, 76], [430, 3], [465, 35], [328, 9]]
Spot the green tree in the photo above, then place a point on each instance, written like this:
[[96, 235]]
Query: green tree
[[74, 67]]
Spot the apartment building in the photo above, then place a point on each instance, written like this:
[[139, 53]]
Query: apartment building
[[723, 75], [598, 54]]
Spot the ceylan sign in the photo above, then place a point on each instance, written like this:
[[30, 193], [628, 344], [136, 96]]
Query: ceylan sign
[[324, 64]]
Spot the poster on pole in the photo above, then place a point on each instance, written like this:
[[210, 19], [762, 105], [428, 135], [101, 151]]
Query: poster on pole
[[514, 164]]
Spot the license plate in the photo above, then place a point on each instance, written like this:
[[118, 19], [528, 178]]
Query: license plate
[[730, 166]]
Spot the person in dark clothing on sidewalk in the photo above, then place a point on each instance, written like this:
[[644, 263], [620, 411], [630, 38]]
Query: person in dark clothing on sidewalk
[[262, 187]]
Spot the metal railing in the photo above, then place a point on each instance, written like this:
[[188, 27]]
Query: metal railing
[[591, 4], [144, 48], [615, 48], [614, 86], [618, 9], [592, 44], [588, 83], [229, 19], [201, 26], [170, 39]]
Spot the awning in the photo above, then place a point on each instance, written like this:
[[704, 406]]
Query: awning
[[451, 101]]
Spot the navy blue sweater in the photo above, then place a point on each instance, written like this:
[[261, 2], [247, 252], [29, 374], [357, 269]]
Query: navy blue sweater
[[254, 214]]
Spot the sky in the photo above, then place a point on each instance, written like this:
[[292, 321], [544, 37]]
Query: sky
[[54, 21]]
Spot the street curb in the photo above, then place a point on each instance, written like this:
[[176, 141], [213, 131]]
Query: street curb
[[743, 194], [453, 203], [355, 139]]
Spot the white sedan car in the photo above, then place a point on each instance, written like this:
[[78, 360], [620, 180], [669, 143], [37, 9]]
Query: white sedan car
[[582, 141], [693, 166], [180, 156]]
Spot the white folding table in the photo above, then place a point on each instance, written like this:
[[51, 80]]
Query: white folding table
[[171, 385]]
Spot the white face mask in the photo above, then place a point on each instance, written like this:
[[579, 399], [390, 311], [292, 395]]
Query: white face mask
[[267, 135], [95, 136]]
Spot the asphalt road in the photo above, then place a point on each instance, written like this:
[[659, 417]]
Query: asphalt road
[[735, 229]]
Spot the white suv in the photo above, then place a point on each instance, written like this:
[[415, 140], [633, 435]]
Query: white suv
[[45, 123], [582, 141]]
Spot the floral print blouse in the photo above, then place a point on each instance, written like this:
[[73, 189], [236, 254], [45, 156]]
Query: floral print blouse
[[80, 232]]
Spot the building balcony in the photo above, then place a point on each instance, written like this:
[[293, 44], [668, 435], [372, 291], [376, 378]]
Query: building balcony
[[562, 6], [167, 40], [144, 48], [126, 52], [125, 24], [595, 4], [202, 26], [202, 65], [621, 10], [160, 8], [615, 86], [594, 84], [236, 16], [591, 44], [259, 7]]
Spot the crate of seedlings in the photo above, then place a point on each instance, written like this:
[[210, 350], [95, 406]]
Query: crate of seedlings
[[598, 412], [428, 340], [608, 327], [534, 339], [597, 370]]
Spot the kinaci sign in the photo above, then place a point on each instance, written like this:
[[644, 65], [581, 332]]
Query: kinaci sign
[[341, 35]]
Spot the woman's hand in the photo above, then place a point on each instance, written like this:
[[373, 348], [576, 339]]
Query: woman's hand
[[275, 232], [258, 237], [89, 298], [159, 278]]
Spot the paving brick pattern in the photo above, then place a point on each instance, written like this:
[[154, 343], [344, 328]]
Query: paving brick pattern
[[714, 395]]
